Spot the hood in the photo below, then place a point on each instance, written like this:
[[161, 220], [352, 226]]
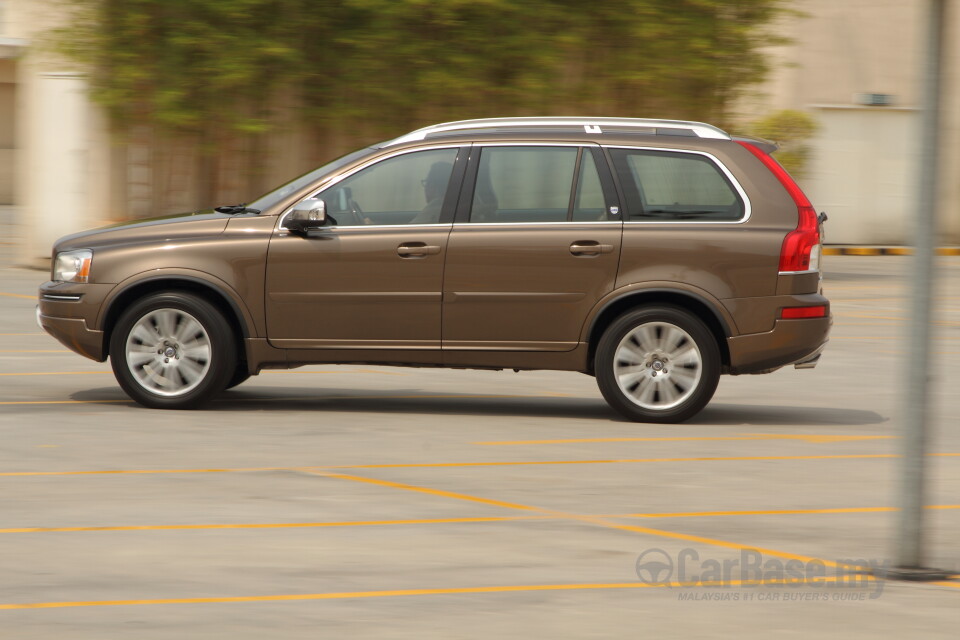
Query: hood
[[169, 227]]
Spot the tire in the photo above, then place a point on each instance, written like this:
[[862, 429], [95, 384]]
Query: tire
[[657, 364], [172, 351]]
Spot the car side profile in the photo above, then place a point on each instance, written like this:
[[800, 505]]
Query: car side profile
[[655, 255]]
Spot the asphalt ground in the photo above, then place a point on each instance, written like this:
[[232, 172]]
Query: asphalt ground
[[401, 503]]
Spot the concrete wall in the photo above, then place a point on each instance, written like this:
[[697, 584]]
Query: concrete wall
[[863, 170]]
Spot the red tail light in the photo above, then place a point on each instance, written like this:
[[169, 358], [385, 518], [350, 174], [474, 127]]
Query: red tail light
[[801, 247]]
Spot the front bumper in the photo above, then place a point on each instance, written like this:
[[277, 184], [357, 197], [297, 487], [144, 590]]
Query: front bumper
[[69, 312]]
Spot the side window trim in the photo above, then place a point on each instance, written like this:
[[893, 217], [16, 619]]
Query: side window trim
[[720, 166]]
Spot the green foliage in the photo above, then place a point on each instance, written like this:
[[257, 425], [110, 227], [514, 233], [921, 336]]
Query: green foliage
[[379, 67], [791, 130]]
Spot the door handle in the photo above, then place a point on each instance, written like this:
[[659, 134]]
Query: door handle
[[417, 250], [589, 248]]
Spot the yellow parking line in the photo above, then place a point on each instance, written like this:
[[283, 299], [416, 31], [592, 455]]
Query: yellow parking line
[[427, 490], [54, 373], [35, 351], [315, 398], [595, 520], [887, 337], [37, 402], [451, 465], [829, 581], [34, 333], [271, 525], [464, 520], [776, 512], [811, 438], [18, 295]]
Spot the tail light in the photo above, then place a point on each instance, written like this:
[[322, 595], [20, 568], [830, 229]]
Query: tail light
[[801, 247]]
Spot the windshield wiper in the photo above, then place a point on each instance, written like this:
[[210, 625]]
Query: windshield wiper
[[235, 208]]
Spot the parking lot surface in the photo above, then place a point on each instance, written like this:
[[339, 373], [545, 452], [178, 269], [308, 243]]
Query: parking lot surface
[[359, 501]]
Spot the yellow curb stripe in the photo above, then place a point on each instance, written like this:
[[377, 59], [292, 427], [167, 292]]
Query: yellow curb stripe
[[441, 465], [442, 591], [17, 295]]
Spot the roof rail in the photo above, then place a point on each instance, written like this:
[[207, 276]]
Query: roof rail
[[589, 125]]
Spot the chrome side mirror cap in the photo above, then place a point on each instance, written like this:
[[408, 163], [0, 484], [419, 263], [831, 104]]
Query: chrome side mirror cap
[[307, 214]]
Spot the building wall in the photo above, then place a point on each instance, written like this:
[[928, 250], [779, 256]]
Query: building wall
[[864, 165]]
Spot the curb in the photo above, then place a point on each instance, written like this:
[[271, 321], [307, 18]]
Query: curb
[[884, 251]]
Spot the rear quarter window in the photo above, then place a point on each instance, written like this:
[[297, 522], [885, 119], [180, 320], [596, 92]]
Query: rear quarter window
[[675, 186]]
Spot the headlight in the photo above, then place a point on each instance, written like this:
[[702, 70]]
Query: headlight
[[73, 266]]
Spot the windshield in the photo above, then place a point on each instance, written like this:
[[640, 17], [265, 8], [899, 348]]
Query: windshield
[[272, 198]]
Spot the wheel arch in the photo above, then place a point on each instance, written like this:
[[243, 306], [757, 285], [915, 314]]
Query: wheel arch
[[210, 293], [695, 304]]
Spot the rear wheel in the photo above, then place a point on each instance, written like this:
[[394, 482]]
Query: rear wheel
[[172, 351], [657, 364]]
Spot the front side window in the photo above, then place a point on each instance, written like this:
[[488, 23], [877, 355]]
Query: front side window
[[405, 189], [671, 185]]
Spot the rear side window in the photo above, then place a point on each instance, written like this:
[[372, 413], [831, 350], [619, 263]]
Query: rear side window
[[673, 185]]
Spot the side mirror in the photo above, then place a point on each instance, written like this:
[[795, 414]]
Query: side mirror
[[307, 214]]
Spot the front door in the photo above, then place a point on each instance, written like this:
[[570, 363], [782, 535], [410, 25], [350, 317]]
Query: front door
[[537, 248], [373, 278]]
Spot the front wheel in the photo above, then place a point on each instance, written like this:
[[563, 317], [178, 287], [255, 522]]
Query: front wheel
[[657, 364], [172, 351]]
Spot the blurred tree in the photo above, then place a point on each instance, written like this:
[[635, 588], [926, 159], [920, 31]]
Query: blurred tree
[[357, 70], [791, 130]]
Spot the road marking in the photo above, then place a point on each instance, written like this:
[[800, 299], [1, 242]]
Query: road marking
[[271, 525], [936, 338], [55, 373], [314, 398], [35, 351], [427, 490], [35, 333], [825, 581], [443, 465], [18, 295], [464, 520], [36, 402], [776, 512], [811, 438], [595, 520]]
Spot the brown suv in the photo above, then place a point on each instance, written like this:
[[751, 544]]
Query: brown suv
[[654, 255]]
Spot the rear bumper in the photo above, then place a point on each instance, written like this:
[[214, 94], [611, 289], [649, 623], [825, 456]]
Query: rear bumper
[[797, 342]]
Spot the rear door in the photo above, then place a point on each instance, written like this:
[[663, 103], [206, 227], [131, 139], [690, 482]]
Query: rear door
[[535, 245]]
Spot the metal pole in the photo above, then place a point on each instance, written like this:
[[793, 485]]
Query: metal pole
[[915, 418]]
